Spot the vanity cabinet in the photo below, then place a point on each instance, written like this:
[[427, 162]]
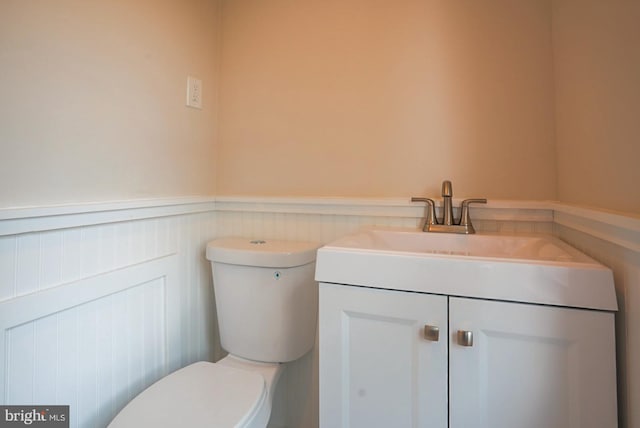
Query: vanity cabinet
[[376, 368], [393, 358]]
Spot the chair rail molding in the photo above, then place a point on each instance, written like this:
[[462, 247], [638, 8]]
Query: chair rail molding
[[14, 221]]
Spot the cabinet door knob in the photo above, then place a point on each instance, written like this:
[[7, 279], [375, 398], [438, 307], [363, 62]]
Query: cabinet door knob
[[432, 333], [465, 338]]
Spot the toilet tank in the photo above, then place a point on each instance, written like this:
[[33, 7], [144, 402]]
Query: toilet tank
[[266, 297]]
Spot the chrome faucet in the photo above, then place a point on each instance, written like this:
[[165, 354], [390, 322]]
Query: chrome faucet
[[448, 223]]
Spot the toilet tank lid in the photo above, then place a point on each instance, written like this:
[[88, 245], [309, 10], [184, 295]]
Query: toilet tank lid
[[261, 252]]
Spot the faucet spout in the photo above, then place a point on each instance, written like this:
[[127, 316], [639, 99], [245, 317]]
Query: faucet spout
[[447, 194]]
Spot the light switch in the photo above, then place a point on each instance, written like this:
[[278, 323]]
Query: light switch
[[194, 92]]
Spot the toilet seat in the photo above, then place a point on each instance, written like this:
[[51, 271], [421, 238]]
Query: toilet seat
[[202, 394]]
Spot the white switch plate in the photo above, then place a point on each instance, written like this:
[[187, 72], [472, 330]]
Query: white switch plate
[[194, 92]]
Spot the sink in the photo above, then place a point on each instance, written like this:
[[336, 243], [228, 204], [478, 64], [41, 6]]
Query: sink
[[533, 249], [530, 269]]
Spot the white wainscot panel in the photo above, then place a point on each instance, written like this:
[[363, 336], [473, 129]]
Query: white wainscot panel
[[94, 343], [36, 261]]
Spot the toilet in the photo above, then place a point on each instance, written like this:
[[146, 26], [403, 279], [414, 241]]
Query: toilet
[[266, 301]]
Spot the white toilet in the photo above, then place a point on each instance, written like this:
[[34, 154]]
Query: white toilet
[[266, 300]]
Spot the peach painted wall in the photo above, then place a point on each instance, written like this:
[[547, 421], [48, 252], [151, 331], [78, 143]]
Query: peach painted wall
[[597, 72], [387, 98], [92, 100]]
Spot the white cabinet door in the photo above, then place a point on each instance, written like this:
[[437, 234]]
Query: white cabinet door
[[377, 369], [531, 366]]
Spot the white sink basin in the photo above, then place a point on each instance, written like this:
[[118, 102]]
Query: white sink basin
[[531, 269], [531, 248]]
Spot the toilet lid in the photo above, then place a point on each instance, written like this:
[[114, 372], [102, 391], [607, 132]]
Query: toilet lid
[[201, 394]]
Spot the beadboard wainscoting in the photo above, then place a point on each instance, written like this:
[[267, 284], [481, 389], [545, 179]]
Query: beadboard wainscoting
[[94, 312], [614, 241], [98, 301], [93, 342]]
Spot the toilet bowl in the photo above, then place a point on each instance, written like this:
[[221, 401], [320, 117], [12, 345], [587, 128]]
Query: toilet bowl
[[266, 300], [230, 393]]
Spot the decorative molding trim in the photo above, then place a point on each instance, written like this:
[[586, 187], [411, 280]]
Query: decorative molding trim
[[37, 219], [536, 211], [326, 206], [623, 230], [613, 228], [621, 220]]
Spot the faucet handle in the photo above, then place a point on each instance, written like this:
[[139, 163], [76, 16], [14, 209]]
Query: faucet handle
[[473, 201], [465, 219], [430, 211]]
